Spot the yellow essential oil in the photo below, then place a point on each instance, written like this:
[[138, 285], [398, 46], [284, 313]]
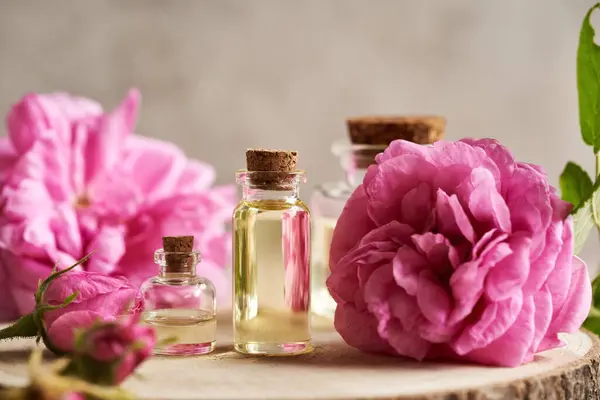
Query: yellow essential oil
[[179, 327], [271, 247], [180, 305]]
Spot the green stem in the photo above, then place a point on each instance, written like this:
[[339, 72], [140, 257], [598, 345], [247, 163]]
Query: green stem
[[23, 328], [595, 211]]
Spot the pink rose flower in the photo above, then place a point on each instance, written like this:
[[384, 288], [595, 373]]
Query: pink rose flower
[[99, 298], [456, 251], [121, 345], [107, 352], [74, 179]]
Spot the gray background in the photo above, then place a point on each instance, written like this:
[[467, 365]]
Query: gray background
[[220, 76]]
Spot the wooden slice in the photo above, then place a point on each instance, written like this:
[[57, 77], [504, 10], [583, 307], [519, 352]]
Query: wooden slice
[[336, 371]]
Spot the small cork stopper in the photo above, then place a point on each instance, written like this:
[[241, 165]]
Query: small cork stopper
[[178, 244], [271, 160], [384, 130], [270, 168]]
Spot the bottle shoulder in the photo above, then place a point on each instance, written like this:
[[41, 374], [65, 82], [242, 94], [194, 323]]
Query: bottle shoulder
[[165, 281], [301, 205], [261, 206], [333, 190], [328, 200]]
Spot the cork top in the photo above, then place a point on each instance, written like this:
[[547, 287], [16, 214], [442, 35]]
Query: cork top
[[178, 244], [271, 160], [178, 249], [271, 169], [381, 130]]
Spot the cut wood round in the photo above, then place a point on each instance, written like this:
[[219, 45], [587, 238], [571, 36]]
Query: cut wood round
[[336, 371]]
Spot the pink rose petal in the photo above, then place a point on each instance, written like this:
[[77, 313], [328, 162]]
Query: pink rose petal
[[62, 332], [433, 300], [513, 347], [577, 304], [353, 226], [407, 266], [359, 329], [495, 320], [453, 221], [508, 275]]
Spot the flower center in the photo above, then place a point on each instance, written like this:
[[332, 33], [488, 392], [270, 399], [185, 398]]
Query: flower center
[[82, 201]]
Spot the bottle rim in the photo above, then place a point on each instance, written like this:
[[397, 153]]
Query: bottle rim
[[160, 256], [245, 177], [343, 147]]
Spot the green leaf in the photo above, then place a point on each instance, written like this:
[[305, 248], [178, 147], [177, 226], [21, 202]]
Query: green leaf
[[53, 276], [588, 83], [42, 309], [575, 184], [583, 224], [592, 322], [585, 217], [596, 292], [70, 299], [24, 327]]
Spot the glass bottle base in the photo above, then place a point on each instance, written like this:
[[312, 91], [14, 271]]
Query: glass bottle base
[[274, 349], [195, 349]]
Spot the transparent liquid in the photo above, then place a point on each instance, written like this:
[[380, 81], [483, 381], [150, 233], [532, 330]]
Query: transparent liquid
[[272, 277], [322, 303], [189, 331]]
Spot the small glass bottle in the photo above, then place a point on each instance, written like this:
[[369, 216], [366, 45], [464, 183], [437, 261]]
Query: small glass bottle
[[271, 260], [180, 305], [369, 136]]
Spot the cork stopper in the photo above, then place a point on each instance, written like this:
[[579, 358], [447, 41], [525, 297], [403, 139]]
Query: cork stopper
[[182, 245], [271, 160], [270, 168], [384, 130], [379, 132]]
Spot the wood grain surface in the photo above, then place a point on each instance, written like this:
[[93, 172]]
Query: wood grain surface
[[337, 371]]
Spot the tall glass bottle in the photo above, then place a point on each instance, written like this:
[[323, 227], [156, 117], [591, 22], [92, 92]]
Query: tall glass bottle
[[369, 136], [178, 304], [271, 260], [327, 203]]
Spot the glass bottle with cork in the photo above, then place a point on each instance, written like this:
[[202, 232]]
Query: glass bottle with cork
[[180, 305], [369, 136], [271, 260]]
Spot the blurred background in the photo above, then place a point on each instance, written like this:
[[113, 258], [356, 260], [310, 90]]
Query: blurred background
[[220, 76]]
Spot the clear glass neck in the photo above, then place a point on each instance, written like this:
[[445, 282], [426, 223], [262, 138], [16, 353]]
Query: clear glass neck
[[355, 159], [177, 264], [354, 177], [270, 185]]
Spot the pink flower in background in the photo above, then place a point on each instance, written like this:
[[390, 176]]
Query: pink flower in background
[[75, 179], [99, 298], [456, 250]]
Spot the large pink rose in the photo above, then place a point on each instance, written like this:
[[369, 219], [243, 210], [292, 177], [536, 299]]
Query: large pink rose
[[74, 179], [458, 251]]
